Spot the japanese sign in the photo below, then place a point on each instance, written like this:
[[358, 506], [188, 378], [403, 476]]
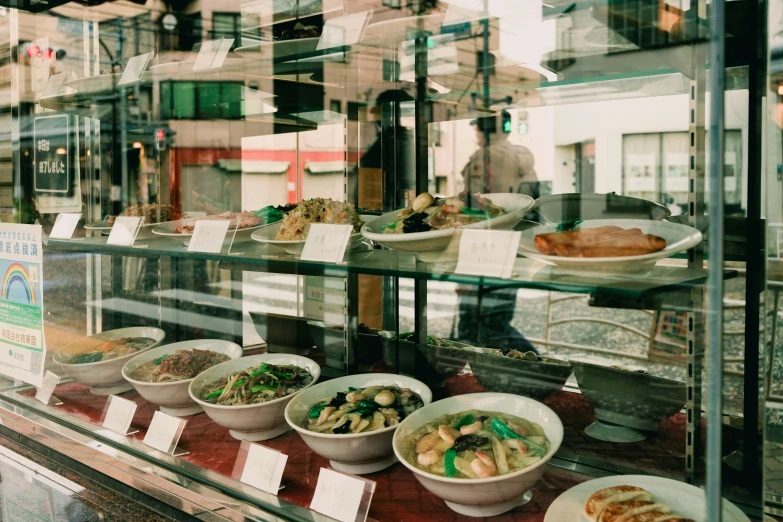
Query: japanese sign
[[326, 243], [487, 252], [50, 154], [22, 346]]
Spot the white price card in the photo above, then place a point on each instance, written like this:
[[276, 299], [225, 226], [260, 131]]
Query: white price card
[[135, 68], [124, 230], [118, 415], [212, 54], [44, 393], [345, 30], [487, 252], [164, 433], [64, 226], [326, 243], [263, 468], [342, 497], [222, 52], [208, 236], [54, 85]]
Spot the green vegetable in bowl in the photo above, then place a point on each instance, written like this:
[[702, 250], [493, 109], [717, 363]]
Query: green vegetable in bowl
[[568, 224], [85, 358]]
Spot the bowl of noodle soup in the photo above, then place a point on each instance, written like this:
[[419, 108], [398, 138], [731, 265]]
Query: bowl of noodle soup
[[170, 390]]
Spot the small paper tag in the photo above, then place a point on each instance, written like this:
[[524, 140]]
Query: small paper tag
[[222, 52], [64, 226], [345, 30], [135, 68], [326, 243], [264, 468], [124, 230], [487, 252], [164, 432], [206, 54], [339, 496], [50, 381], [208, 236], [54, 85], [119, 414]]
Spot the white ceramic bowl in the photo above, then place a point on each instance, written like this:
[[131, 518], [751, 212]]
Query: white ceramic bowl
[[105, 377], [425, 243], [173, 397], [495, 495], [357, 453], [252, 422], [266, 235], [678, 238]]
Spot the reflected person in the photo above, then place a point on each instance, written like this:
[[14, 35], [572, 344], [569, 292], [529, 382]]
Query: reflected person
[[485, 314]]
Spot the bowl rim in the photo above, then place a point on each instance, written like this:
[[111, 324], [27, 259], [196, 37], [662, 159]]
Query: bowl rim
[[479, 351], [544, 460], [348, 436], [116, 359], [315, 373], [666, 380], [126, 376]]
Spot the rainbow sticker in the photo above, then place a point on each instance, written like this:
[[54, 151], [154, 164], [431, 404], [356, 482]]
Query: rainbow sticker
[[16, 285]]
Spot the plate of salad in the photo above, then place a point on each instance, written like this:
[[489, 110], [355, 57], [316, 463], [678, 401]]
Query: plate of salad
[[244, 223]]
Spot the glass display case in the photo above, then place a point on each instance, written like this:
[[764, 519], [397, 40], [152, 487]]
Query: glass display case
[[481, 256]]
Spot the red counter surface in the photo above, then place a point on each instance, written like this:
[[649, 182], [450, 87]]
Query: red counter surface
[[398, 495]]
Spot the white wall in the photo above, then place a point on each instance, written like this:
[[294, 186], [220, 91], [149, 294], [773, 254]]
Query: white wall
[[607, 122]]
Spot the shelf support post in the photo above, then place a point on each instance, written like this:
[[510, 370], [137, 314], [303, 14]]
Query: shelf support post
[[696, 331]]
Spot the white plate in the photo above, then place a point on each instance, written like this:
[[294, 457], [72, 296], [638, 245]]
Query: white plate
[[105, 377], [685, 500], [145, 231], [267, 235], [101, 83], [678, 238], [516, 206], [168, 230], [173, 397]]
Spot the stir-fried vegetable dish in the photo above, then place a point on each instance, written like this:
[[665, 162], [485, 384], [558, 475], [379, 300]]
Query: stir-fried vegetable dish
[[476, 444], [297, 222], [431, 213], [258, 384], [112, 350], [182, 364], [362, 410]]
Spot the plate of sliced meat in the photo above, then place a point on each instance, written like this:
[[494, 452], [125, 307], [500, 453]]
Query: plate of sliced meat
[[608, 245], [635, 498], [244, 222]]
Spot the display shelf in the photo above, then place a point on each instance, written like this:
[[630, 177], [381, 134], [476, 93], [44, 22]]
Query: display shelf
[[214, 450], [213, 453], [252, 256]]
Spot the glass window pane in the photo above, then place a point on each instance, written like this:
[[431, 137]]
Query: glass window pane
[[184, 100]]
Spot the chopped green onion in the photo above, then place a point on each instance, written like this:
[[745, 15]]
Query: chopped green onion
[[504, 432], [448, 462], [316, 411], [261, 369], [161, 359], [474, 212], [568, 224], [464, 421]]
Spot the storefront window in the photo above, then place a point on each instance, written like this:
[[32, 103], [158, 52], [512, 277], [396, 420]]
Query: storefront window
[[474, 252]]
